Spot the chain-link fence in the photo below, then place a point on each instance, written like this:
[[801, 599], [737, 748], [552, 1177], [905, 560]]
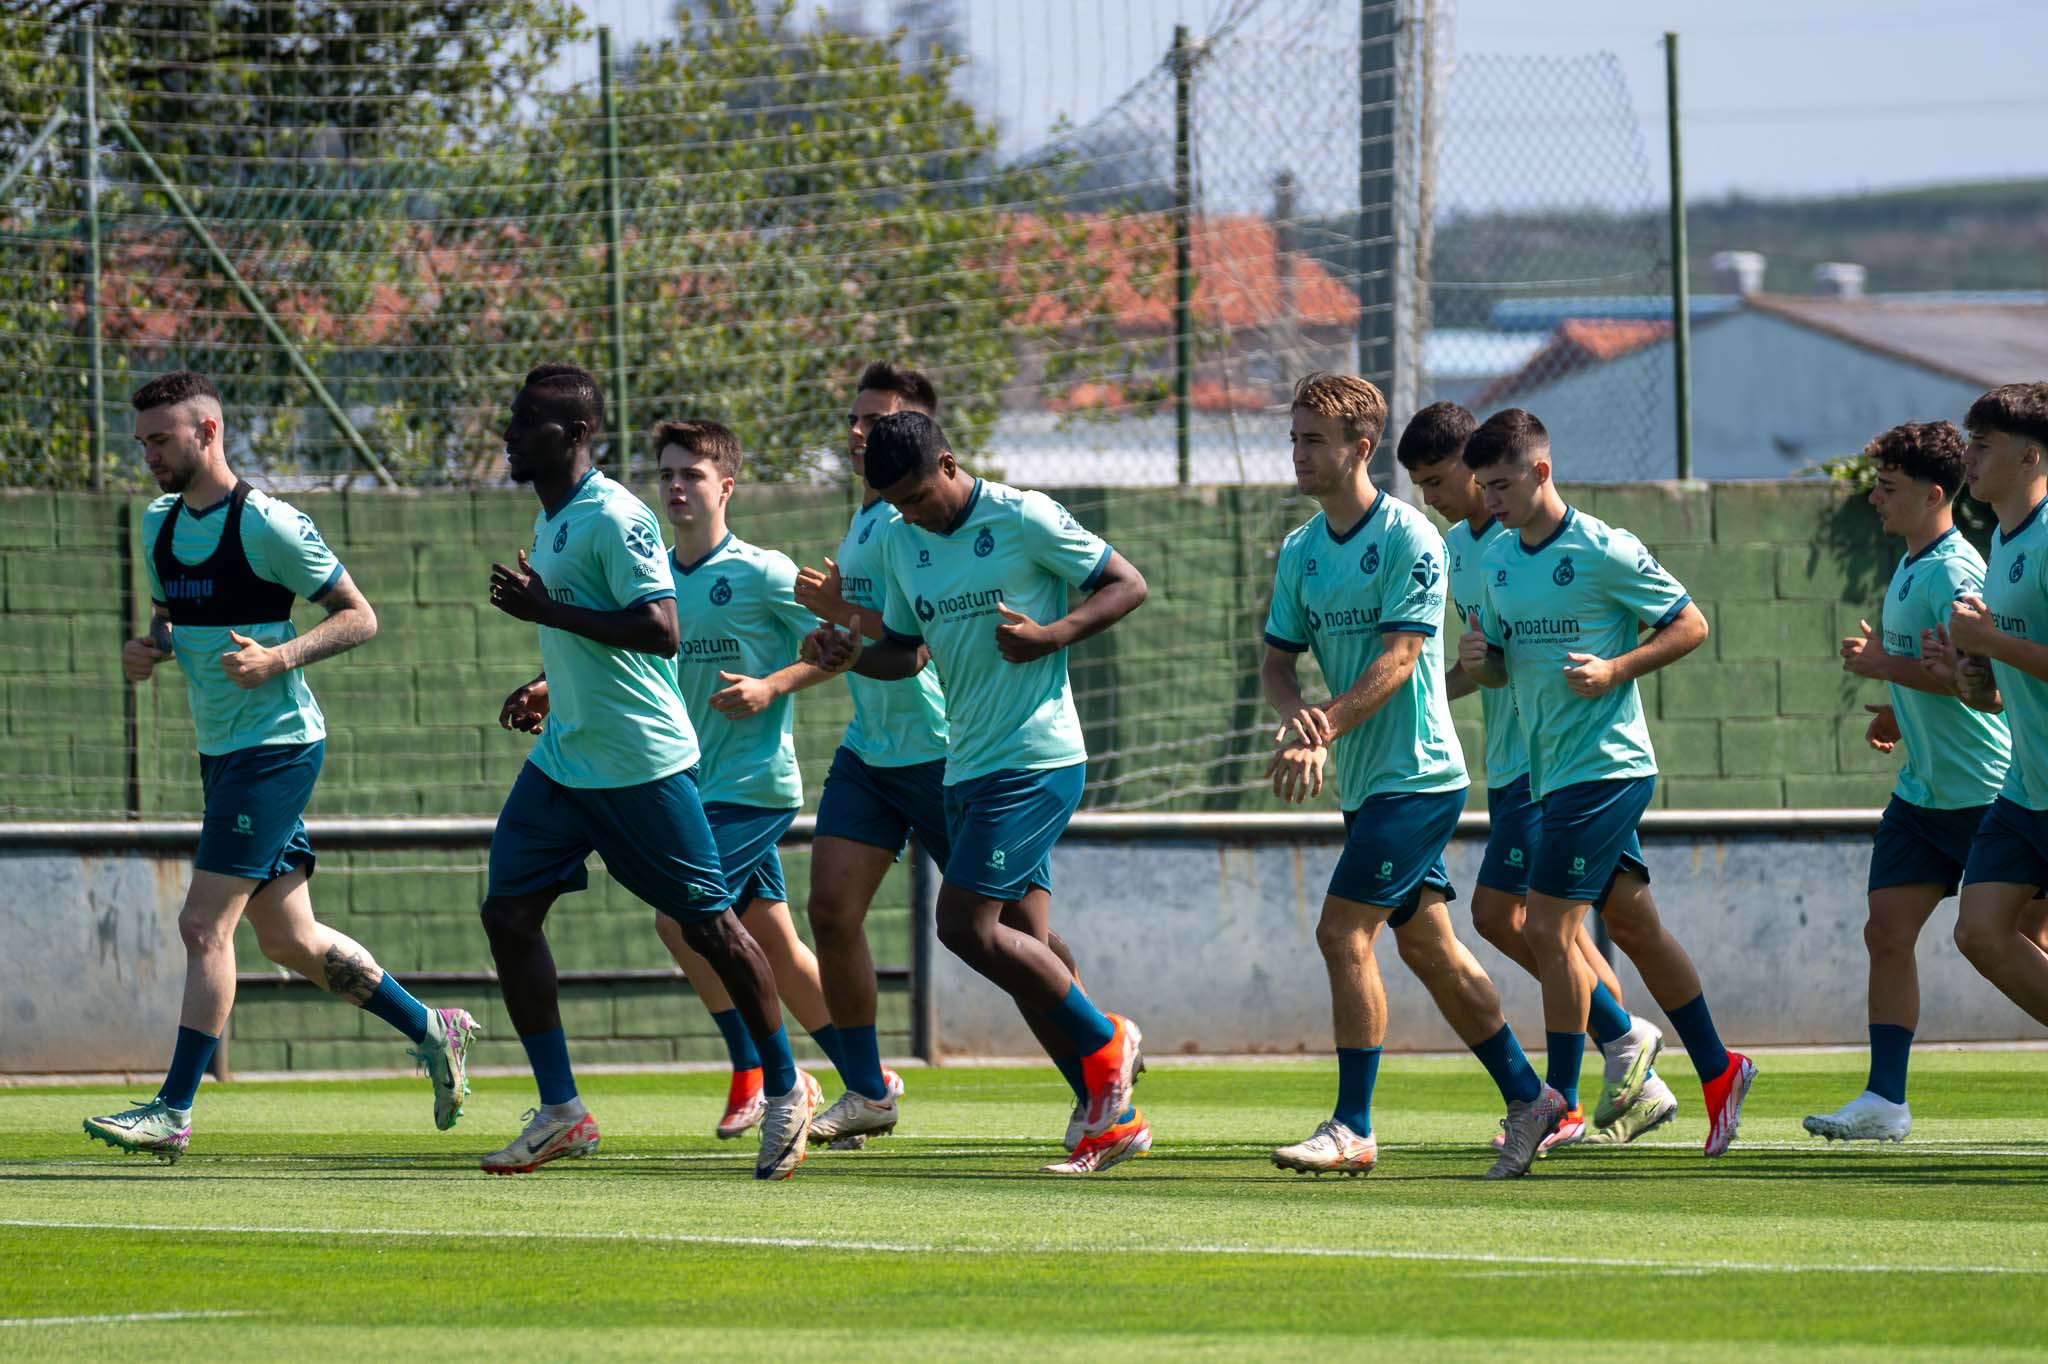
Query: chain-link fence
[[366, 221]]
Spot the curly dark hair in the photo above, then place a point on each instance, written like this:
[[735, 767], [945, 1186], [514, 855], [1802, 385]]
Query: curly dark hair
[[1929, 451]]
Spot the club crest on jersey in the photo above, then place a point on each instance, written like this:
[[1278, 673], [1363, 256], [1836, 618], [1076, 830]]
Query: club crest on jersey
[[2019, 569], [1905, 586], [639, 538], [1369, 562], [1425, 571], [561, 539], [925, 610], [1563, 574], [865, 532], [984, 543], [721, 591]]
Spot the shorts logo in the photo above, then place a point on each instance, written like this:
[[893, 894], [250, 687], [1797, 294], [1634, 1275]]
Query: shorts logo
[[243, 826], [865, 532], [721, 591], [924, 558], [1578, 866], [998, 859], [640, 539], [984, 543], [1369, 562], [1386, 871], [1563, 574], [924, 609], [1425, 571], [561, 539], [1515, 857], [1310, 571], [697, 890], [2019, 568]]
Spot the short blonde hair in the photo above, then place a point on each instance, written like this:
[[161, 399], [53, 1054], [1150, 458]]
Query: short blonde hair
[[1348, 399]]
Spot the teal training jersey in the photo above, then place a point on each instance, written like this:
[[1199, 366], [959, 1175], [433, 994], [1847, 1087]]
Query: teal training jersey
[[738, 613], [894, 724], [1009, 547], [2016, 592], [1584, 590], [282, 546], [1956, 756], [615, 717], [1507, 752], [1340, 596]]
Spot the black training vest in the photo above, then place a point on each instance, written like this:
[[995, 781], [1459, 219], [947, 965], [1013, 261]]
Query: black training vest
[[221, 589]]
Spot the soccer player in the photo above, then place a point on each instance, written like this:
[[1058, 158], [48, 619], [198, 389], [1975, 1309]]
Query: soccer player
[[225, 562], [887, 782], [1956, 757], [978, 575], [737, 668], [1565, 597], [1362, 585], [609, 773], [1431, 450], [2006, 466]]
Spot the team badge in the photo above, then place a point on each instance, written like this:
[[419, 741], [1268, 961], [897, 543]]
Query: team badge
[[2019, 569], [1369, 562], [984, 543], [1563, 574], [1905, 586], [865, 532], [561, 538], [721, 591]]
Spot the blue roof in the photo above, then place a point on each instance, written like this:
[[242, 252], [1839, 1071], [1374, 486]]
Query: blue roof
[[1545, 314]]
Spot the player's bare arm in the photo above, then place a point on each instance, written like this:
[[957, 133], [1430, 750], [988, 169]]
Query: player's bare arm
[[1865, 656], [744, 696], [526, 709], [139, 656], [1590, 675], [1882, 733], [1279, 679], [1118, 592], [1484, 663], [349, 622], [649, 628], [818, 591]]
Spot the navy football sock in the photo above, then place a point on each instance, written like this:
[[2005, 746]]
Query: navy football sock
[[188, 1062], [739, 1045], [1358, 1069], [1890, 1048], [1567, 1050], [1502, 1056], [548, 1053], [394, 1004]]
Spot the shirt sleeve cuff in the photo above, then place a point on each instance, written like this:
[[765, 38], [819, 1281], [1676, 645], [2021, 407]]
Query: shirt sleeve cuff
[[1673, 613], [658, 594], [898, 637], [1407, 627], [1095, 573], [1285, 644], [327, 586]]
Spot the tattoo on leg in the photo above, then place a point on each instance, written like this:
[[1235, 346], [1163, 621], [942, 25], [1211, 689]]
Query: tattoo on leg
[[351, 975]]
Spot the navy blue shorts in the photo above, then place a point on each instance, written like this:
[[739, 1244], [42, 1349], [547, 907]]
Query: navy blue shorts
[[1002, 827], [1394, 848], [883, 806], [746, 836], [1589, 837], [1916, 846], [254, 797], [2011, 847], [1514, 823], [653, 838]]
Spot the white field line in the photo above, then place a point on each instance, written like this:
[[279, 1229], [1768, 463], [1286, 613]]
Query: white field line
[[1095, 1248], [118, 1318]]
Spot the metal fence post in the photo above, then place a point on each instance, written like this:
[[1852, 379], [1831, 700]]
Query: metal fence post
[[96, 391], [614, 258], [1377, 88], [1681, 279], [1183, 248]]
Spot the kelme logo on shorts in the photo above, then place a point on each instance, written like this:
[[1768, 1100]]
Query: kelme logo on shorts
[[243, 826], [561, 539], [1578, 866], [1514, 857], [984, 543], [1564, 572], [1369, 562], [697, 890], [2019, 568], [998, 859], [721, 591], [1386, 870]]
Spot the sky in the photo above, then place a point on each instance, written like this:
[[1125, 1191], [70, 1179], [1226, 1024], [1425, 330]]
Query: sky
[[1778, 97]]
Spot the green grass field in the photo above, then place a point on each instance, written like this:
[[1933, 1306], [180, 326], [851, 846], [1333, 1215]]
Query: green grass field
[[330, 1218]]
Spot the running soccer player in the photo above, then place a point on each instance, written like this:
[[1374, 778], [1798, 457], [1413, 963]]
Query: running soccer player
[[978, 574], [737, 668], [1431, 451], [887, 782], [2006, 466], [610, 772], [225, 562], [1362, 585], [1565, 597], [1956, 757]]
